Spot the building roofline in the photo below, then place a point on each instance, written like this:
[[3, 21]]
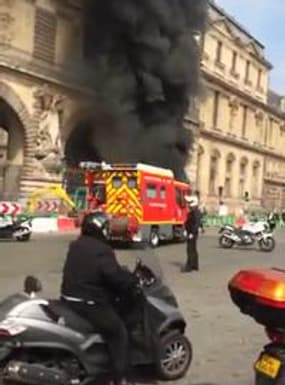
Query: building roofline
[[265, 106], [221, 10]]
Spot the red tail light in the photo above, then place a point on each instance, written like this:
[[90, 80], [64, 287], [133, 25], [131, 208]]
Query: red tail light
[[275, 336], [5, 333]]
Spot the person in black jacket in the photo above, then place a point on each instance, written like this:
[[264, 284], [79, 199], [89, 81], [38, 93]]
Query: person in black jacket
[[91, 279], [192, 226]]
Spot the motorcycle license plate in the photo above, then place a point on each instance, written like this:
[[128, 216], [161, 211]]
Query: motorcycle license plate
[[268, 365]]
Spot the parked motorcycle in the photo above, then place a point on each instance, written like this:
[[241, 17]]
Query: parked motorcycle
[[261, 295], [247, 236], [10, 228], [45, 342]]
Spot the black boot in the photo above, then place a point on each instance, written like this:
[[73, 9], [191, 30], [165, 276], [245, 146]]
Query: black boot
[[124, 381], [186, 269]]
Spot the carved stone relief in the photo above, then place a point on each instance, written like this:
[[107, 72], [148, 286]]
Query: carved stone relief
[[234, 107], [6, 22], [259, 117], [49, 152]]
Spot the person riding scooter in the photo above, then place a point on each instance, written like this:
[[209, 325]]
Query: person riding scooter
[[91, 279]]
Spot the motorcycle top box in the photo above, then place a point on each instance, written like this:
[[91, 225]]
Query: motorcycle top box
[[260, 293]]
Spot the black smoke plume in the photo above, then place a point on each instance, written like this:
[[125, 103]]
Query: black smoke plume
[[146, 63]]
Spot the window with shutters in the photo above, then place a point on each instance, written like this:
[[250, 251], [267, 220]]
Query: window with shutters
[[45, 35]]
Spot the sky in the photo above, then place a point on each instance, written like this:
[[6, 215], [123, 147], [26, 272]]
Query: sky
[[264, 19]]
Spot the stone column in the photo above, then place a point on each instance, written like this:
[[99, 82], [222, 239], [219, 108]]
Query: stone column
[[191, 167], [12, 177], [204, 175]]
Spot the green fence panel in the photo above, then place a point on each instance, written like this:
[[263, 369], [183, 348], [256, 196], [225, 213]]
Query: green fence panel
[[217, 221]]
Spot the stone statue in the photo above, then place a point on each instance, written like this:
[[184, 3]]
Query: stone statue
[[48, 140], [6, 22], [234, 106], [259, 116]]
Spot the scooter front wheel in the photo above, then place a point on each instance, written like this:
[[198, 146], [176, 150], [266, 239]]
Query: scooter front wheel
[[154, 237], [24, 238], [267, 244], [175, 356]]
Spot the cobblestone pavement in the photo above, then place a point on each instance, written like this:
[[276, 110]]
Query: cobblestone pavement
[[225, 342]]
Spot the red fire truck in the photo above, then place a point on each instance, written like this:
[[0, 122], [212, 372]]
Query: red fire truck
[[144, 202]]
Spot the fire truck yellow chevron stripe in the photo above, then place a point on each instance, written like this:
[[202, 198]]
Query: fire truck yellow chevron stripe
[[132, 205], [117, 209], [133, 195]]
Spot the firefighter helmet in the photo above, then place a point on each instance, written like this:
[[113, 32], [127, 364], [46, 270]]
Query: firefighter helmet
[[192, 200]]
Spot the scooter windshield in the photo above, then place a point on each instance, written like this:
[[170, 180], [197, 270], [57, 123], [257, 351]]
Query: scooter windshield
[[11, 302], [145, 255]]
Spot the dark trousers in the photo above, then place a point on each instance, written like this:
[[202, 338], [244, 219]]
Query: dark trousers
[[192, 254], [107, 322]]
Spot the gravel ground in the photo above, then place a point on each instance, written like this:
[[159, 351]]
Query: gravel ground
[[225, 342]]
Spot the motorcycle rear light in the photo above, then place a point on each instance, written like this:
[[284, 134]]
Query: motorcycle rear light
[[4, 333], [275, 336]]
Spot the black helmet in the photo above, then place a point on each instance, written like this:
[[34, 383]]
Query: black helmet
[[96, 225]]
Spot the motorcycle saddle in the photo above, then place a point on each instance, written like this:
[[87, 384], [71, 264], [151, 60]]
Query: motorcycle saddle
[[67, 317]]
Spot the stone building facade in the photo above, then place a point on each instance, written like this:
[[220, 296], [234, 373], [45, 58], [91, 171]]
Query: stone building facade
[[241, 143], [42, 87], [44, 84]]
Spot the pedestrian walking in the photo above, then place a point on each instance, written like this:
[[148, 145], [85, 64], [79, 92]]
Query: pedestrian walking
[[273, 219], [192, 226]]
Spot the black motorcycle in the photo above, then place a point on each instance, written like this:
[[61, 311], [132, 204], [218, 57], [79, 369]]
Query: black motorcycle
[[11, 228], [260, 294], [45, 342]]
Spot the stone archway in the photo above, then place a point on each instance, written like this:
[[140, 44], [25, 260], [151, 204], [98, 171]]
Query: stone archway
[[215, 157], [77, 137], [255, 179], [16, 122], [77, 146], [243, 176], [229, 175]]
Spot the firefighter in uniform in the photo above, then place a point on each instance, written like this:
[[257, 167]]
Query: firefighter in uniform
[[91, 279], [192, 226]]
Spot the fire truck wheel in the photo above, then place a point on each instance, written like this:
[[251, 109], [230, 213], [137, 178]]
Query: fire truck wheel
[[154, 237]]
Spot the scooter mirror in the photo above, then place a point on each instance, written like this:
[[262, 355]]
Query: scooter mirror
[[138, 263], [32, 285]]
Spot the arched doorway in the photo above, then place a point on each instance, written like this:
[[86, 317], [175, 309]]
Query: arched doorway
[[214, 172], [79, 145], [255, 180], [243, 175], [12, 141], [229, 175]]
